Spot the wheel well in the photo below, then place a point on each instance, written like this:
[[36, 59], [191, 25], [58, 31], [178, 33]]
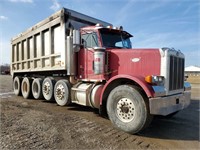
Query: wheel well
[[111, 86]]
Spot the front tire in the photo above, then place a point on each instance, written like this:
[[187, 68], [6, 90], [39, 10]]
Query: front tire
[[127, 109]]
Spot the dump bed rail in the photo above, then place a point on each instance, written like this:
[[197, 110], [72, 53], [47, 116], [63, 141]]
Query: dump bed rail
[[43, 46]]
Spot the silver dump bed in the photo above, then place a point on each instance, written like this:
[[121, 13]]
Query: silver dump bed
[[43, 46]]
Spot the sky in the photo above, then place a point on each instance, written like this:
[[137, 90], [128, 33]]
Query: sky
[[153, 23]]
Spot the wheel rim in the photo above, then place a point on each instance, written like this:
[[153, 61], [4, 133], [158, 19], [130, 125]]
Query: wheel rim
[[46, 88], [35, 88], [60, 92], [125, 110], [16, 85], [25, 87]]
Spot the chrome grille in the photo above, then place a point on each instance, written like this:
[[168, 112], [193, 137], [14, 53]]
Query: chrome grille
[[176, 73]]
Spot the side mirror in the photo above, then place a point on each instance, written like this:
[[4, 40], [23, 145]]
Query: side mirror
[[83, 43]]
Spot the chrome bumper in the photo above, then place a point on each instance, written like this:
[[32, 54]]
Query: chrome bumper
[[169, 104]]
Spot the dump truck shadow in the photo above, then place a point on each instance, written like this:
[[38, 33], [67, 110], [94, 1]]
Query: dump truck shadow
[[182, 126], [75, 107]]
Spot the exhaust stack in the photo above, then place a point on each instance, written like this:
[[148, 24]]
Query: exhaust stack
[[73, 45]]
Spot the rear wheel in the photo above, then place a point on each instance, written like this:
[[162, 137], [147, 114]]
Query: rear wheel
[[62, 92], [26, 87], [17, 85], [127, 109], [47, 88], [37, 88]]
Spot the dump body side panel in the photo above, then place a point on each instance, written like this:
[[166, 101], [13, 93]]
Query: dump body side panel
[[43, 46]]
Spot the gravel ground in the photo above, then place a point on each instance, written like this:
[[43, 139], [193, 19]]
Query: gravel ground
[[37, 124], [27, 124]]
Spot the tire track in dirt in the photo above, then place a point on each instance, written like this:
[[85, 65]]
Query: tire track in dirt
[[35, 127]]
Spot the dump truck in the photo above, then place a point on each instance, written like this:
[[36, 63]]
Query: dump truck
[[70, 57]]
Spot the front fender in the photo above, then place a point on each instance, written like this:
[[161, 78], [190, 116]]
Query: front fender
[[139, 80]]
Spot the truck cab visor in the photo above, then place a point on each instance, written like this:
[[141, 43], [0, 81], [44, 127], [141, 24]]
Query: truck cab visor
[[113, 30]]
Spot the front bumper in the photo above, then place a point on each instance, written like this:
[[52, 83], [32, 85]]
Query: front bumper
[[169, 104]]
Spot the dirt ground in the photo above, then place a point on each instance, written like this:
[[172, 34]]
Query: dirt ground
[[38, 124]]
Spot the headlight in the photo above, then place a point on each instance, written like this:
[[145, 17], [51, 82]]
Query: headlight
[[158, 80]]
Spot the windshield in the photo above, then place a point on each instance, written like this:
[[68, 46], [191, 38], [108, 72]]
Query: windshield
[[113, 39]]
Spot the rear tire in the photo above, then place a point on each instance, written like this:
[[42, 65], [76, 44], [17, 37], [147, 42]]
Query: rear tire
[[37, 88], [62, 93], [17, 85], [127, 109], [47, 88], [26, 87]]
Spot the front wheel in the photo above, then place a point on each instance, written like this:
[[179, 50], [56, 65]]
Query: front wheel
[[127, 109]]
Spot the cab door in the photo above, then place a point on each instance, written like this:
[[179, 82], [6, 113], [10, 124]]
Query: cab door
[[86, 55]]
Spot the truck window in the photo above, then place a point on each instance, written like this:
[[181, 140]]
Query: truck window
[[90, 40], [115, 39]]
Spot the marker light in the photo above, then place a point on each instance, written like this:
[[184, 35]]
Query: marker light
[[148, 79], [110, 27], [98, 25]]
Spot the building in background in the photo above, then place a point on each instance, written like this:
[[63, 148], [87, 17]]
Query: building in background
[[193, 74]]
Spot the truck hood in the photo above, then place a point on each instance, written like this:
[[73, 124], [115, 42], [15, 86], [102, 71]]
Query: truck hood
[[134, 62]]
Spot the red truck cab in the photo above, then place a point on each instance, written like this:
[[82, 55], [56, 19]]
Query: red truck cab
[[157, 74]]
